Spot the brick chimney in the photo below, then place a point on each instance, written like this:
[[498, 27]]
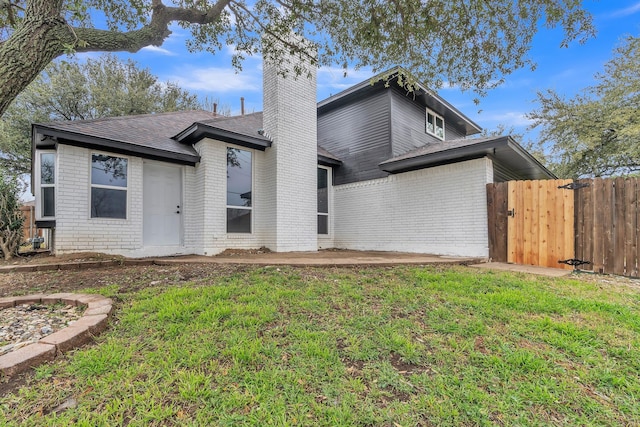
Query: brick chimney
[[290, 119]]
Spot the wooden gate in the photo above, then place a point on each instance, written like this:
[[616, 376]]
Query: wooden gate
[[540, 225], [539, 222]]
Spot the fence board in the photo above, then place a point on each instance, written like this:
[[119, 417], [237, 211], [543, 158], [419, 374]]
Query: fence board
[[607, 225], [618, 226], [520, 210], [528, 211], [568, 230], [511, 229], [497, 220], [630, 227], [637, 223], [586, 207], [550, 237], [535, 223], [543, 230], [598, 229]]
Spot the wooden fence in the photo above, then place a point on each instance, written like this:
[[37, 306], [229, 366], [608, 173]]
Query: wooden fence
[[606, 225], [29, 224], [607, 230]]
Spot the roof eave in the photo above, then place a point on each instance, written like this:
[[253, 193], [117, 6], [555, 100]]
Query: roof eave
[[198, 131], [120, 147], [432, 159], [500, 148], [529, 158], [328, 161]]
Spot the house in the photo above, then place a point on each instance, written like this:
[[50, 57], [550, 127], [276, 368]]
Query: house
[[370, 168]]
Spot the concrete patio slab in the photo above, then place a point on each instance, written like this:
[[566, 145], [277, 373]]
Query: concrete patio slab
[[320, 258]]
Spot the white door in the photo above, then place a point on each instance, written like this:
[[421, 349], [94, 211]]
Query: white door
[[162, 204]]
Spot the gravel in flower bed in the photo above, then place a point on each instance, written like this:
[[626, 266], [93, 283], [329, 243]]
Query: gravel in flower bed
[[27, 323]]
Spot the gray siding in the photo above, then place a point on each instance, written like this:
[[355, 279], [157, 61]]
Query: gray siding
[[408, 121], [359, 134]]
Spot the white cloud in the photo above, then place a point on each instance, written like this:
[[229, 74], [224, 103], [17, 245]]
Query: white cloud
[[218, 80], [627, 11], [157, 49]]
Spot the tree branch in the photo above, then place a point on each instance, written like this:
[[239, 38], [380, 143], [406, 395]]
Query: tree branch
[[44, 35]]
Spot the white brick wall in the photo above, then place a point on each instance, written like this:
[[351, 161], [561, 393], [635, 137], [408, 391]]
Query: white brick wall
[[214, 201], [75, 230], [440, 210]]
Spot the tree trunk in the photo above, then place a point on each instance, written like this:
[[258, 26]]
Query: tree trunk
[[44, 35], [5, 248], [39, 39]]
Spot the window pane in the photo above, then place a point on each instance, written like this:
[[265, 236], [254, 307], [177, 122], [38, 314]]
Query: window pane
[[323, 224], [238, 177], [238, 220], [47, 168], [430, 121], [107, 203], [48, 201], [323, 195], [439, 127], [108, 170]]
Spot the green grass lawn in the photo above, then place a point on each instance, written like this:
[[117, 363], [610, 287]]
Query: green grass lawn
[[401, 346]]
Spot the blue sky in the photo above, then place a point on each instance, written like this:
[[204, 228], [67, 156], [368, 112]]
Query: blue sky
[[566, 70]]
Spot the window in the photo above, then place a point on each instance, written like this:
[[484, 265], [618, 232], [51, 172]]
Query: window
[[238, 190], [108, 186], [435, 124], [323, 201], [48, 184]]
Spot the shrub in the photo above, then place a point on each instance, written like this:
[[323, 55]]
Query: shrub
[[11, 218]]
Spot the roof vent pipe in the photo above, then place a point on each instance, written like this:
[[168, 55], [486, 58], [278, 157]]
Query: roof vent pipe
[[242, 105], [215, 108]]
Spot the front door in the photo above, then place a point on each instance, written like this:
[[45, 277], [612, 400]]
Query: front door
[[162, 204]]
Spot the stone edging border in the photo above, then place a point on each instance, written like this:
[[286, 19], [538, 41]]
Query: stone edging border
[[93, 322]]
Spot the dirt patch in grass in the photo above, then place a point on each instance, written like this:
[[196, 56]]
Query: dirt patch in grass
[[9, 385], [127, 278], [47, 258]]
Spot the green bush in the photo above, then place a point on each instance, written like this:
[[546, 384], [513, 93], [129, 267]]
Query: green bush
[[11, 219]]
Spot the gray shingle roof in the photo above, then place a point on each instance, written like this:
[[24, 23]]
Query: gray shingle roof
[[145, 130], [248, 125], [149, 133], [503, 150], [439, 147]]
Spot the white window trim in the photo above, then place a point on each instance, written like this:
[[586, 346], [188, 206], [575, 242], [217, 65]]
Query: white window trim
[[329, 204], [249, 208], [435, 116], [110, 187], [40, 185]]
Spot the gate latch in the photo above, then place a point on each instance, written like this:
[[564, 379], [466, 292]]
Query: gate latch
[[574, 185], [574, 262], [511, 212]]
